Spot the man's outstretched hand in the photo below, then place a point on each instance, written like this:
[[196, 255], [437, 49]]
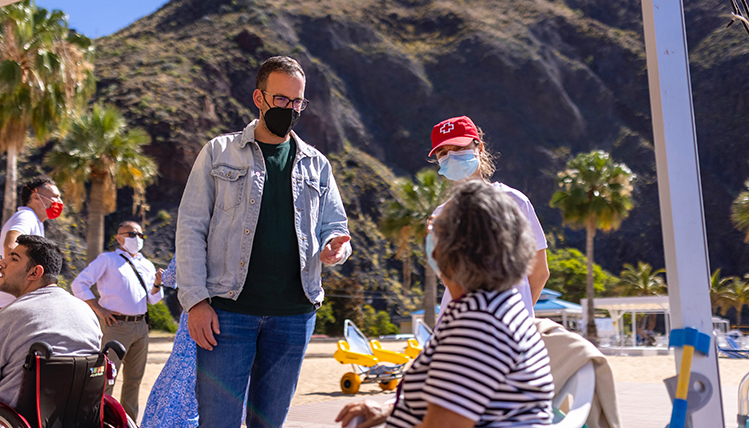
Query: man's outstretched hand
[[335, 249]]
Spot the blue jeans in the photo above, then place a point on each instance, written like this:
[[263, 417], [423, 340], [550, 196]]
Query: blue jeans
[[268, 350]]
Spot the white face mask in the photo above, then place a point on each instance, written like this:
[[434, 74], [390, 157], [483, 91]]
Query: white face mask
[[133, 245], [458, 165]]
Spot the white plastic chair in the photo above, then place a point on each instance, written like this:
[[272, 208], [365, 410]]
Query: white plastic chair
[[581, 387]]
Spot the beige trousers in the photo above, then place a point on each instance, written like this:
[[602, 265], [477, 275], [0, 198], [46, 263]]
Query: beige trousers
[[134, 337]]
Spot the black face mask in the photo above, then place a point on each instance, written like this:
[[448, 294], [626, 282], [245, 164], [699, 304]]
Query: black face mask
[[281, 121]]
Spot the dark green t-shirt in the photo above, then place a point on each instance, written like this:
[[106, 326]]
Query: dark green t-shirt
[[273, 286]]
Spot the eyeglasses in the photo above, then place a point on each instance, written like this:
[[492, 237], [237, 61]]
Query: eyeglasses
[[134, 234], [298, 104]]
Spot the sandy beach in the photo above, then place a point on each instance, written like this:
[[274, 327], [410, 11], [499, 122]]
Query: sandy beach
[[320, 377]]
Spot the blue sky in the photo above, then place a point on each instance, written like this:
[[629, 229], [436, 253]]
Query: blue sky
[[98, 18]]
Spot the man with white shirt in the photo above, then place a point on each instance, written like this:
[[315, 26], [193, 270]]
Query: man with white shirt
[[126, 281], [40, 200]]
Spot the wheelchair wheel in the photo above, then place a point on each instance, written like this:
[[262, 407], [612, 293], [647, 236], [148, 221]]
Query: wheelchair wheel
[[11, 419], [114, 415], [131, 423], [389, 386], [350, 383]]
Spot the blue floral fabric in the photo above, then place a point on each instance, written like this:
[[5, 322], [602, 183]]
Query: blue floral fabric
[[172, 402], [169, 277]]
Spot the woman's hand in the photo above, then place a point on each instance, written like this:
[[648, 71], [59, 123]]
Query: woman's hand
[[373, 412]]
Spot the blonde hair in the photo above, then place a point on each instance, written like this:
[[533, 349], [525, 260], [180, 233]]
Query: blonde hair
[[486, 159]]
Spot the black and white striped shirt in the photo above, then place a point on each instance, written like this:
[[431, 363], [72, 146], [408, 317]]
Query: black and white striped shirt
[[486, 362]]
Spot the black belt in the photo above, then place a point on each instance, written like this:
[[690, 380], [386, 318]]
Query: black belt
[[130, 318]]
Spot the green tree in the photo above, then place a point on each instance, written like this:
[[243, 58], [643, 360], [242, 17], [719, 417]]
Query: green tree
[[101, 150], [325, 317], [641, 281], [740, 212], [717, 289], [568, 273], [346, 297], [46, 73], [735, 294], [405, 221], [377, 323], [594, 193]]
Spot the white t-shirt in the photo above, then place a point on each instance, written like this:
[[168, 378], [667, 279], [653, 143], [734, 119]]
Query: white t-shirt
[[538, 233], [486, 362], [25, 221]]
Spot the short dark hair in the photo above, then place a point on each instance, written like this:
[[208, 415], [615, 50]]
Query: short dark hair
[[482, 239], [32, 185], [41, 251], [284, 64]]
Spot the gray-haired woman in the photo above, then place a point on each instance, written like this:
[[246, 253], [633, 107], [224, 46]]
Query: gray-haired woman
[[485, 365]]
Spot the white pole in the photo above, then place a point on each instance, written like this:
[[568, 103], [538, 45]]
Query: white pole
[[679, 187]]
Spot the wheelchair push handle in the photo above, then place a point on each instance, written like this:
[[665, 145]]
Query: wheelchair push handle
[[38, 348], [41, 348], [116, 347]]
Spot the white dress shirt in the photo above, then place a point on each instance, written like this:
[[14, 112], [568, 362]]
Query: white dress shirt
[[118, 286], [25, 221]]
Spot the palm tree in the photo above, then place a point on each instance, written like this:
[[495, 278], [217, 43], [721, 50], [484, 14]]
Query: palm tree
[[740, 212], [736, 295], [594, 193], [46, 73], [99, 149], [405, 221], [717, 289], [642, 281]]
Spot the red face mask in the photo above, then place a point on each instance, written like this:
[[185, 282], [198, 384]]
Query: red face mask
[[54, 210]]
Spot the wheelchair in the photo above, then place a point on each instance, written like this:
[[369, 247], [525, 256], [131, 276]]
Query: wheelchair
[[66, 392]]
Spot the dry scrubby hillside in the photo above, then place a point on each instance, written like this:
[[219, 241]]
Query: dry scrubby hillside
[[544, 79]]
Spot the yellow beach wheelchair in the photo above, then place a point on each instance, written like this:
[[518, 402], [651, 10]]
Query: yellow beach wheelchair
[[369, 361], [422, 336]]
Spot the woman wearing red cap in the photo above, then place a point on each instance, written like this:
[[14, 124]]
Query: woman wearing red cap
[[462, 155]]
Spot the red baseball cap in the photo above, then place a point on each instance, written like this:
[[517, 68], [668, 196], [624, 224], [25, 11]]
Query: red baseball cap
[[456, 131]]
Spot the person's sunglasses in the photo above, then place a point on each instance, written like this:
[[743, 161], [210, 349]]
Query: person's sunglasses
[[134, 234]]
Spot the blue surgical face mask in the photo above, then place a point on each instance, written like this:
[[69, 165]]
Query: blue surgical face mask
[[458, 165], [430, 259]]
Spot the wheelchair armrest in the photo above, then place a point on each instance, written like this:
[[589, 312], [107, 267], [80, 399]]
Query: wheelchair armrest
[[116, 347]]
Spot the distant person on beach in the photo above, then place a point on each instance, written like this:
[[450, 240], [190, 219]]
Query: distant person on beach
[[126, 282], [485, 364], [259, 215], [459, 147], [40, 201]]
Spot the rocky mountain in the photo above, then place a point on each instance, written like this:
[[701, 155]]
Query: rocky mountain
[[545, 79]]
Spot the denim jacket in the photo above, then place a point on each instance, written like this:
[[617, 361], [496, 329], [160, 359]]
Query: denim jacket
[[220, 209]]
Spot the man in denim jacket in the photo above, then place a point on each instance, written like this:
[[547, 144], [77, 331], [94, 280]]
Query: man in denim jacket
[[260, 214]]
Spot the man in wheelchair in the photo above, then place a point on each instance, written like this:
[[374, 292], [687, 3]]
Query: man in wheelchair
[[42, 312]]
